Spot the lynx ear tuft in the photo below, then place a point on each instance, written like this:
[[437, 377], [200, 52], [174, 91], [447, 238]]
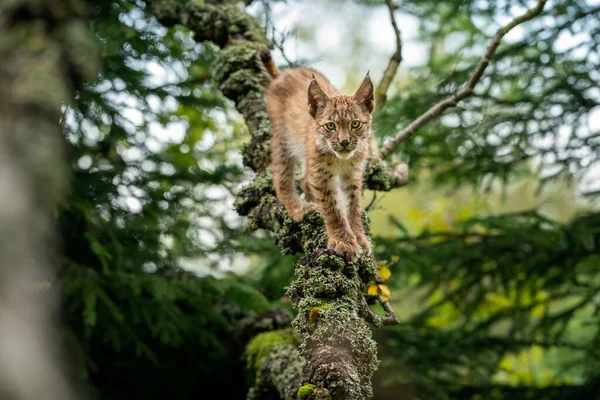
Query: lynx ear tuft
[[364, 94], [316, 97]]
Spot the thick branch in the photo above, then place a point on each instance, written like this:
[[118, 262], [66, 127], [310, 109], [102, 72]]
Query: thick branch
[[395, 60], [467, 90]]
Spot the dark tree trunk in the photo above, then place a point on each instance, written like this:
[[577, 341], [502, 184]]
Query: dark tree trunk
[[45, 50]]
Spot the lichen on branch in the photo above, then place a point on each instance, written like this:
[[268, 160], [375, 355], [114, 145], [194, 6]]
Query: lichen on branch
[[276, 363], [340, 353]]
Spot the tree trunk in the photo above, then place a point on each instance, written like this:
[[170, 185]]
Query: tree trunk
[[339, 352], [45, 50]]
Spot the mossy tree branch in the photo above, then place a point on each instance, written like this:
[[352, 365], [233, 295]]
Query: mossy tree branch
[[339, 352]]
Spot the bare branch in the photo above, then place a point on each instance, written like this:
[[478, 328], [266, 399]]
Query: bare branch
[[467, 90], [395, 60], [390, 318], [374, 318], [367, 208]]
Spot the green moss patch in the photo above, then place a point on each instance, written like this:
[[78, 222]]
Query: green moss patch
[[261, 345], [306, 391]]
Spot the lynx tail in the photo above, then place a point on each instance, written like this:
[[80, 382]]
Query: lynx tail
[[270, 67]]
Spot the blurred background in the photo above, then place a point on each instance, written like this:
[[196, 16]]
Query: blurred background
[[493, 246]]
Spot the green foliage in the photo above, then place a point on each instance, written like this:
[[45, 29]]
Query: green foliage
[[497, 306], [496, 288], [153, 149], [534, 102]]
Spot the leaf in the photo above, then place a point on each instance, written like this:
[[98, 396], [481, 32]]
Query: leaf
[[384, 273], [385, 292], [372, 290]]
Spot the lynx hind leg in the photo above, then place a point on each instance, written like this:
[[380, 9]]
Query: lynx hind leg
[[283, 166], [308, 194]]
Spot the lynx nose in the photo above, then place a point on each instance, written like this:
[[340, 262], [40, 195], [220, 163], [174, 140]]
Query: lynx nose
[[345, 143]]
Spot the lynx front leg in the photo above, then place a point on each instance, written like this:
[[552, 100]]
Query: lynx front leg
[[283, 166], [341, 239], [352, 187]]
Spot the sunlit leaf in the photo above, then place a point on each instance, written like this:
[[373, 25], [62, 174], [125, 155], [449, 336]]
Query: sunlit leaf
[[384, 273]]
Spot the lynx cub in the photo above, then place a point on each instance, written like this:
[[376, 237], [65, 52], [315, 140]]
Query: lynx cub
[[328, 133]]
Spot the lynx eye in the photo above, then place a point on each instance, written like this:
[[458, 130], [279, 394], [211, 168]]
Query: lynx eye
[[355, 124], [330, 126]]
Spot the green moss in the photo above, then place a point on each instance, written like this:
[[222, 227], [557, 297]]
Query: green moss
[[306, 391], [279, 372], [262, 344], [237, 55], [313, 232], [285, 365], [378, 176], [252, 194], [221, 22], [241, 82], [256, 153], [323, 277], [314, 314]]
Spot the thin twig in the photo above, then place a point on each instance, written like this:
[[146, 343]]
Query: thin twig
[[390, 318], [367, 208], [395, 60], [279, 46], [467, 90], [376, 319]]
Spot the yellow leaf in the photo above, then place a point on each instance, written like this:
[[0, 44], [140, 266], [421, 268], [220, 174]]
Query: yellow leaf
[[384, 273], [385, 292], [372, 290]]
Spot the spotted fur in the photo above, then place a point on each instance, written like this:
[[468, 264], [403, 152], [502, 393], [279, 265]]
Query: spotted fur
[[301, 102]]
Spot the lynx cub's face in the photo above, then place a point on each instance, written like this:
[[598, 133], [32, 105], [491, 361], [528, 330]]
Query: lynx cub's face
[[343, 122]]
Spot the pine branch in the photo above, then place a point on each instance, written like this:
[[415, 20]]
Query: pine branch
[[467, 90], [394, 63]]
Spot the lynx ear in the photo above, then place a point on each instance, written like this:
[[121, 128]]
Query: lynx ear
[[364, 94], [316, 97]]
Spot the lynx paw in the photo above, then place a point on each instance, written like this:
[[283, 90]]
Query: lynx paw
[[349, 250], [305, 209], [364, 242]]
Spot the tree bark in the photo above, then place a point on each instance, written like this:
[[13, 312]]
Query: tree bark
[[46, 51], [339, 352]]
